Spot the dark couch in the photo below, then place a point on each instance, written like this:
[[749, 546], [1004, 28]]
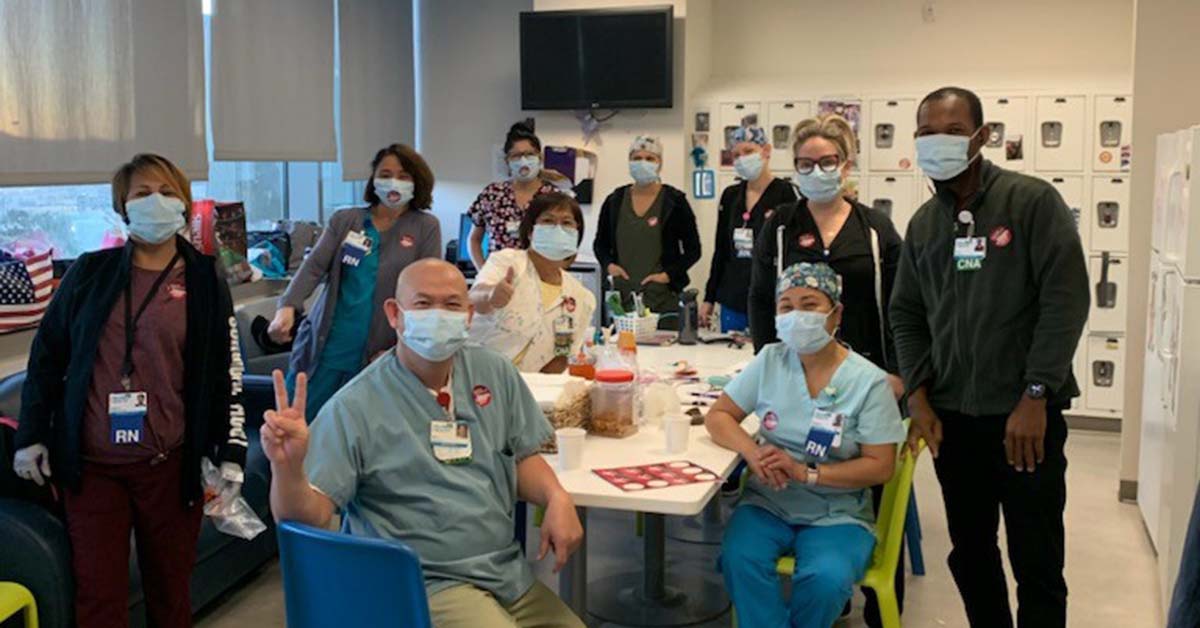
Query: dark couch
[[34, 549]]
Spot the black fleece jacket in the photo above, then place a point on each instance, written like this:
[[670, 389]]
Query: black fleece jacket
[[681, 238]]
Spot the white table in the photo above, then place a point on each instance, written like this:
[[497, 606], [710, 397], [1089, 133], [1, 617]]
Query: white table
[[653, 602]]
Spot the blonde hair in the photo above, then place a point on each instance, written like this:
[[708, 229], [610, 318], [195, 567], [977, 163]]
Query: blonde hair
[[159, 165], [829, 126]]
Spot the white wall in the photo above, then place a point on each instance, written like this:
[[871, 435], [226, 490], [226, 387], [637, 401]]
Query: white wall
[[1165, 99], [468, 69]]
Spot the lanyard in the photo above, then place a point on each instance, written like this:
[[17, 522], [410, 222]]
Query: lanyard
[[131, 321]]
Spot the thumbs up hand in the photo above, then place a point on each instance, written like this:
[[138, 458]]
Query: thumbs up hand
[[502, 292]]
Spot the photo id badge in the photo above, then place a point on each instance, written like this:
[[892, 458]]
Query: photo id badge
[[969, 253], [126, 417], [451, 441], [743, 242], [824, 434], [564, 335], [513, 228], [355, 247]]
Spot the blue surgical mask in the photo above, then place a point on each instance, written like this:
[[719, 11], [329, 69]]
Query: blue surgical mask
[[943, 157], [154, 219], [435, 334], [818, 185], [749, 166], [555, 242], [643, 171], [403, 189], [525, 168], [802, 331]]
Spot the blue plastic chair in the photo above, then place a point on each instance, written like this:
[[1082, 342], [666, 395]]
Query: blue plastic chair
[[333, 579]]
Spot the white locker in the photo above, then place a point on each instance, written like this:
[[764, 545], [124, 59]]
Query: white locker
[[1112, 140], [893, 122], [1109, 279], [1060, 133], [1108, 223], [1070, 187], [894, 195], [782, 118], [925, 189], [1106, 374], [732, 115], [1007, 119]]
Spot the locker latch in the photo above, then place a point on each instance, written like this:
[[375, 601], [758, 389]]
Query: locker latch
[[884, 205], [1108, 214], [1102, 373], [1052, 134], [995, 134], [1106, 291], [1110, 133], [884, 134]]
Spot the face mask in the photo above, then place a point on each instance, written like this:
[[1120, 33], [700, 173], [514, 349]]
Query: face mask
[[154, 219], [525, 168], [803, 332], [403, 190], [555, 242], [818, 185], [943, 157], [643, 171], [749, 166], [434, 334]]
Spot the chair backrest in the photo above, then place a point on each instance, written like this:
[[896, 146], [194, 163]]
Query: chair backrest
[[333, 579], [893, 508]]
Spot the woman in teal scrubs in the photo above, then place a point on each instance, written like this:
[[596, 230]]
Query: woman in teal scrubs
[[820, 448], [358, 258]]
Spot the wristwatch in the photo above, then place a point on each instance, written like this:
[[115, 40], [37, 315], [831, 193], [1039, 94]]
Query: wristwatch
[[814, 474], [1035, 390]]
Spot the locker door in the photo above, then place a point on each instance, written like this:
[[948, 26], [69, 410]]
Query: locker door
[[893, 195], [1071, 189], [1109, 220], [893, 122], [925, 189], [1112, 134], [731, 115], [1079, 367], [1109, 277], [1007, 119], [1060, 133], [1106, 374], [782, 117]]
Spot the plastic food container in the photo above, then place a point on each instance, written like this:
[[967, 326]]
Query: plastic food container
[[613, 403]]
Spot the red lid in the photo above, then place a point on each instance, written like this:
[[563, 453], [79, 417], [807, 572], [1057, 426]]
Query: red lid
[[614, 376]]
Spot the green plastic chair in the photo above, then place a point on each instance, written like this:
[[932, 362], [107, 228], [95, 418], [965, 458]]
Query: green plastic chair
[[889, 538], [13, 599]]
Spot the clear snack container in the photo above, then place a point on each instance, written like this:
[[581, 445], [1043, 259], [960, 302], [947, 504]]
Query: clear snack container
[[613, 399]]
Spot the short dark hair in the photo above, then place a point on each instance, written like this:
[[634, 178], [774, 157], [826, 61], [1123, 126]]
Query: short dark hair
[[943, 93], [543, 203], [169, 172], [414, 164], [521, 131]]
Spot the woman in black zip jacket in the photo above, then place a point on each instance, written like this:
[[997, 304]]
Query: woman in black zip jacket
[[859, 242], [134, 377]]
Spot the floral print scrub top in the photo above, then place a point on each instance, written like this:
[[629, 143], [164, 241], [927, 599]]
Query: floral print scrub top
[[496, 210]]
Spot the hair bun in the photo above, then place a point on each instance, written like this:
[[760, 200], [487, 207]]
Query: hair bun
[[521, 128]]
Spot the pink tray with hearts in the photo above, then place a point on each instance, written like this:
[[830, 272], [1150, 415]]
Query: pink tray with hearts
[[660, 475]]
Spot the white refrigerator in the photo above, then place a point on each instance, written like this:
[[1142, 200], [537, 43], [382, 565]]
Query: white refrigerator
[[1169, 464]]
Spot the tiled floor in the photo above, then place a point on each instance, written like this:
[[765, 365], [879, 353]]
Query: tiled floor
[[1110, 564]]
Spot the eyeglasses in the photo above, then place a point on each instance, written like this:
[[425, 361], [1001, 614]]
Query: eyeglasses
[[828, 163]]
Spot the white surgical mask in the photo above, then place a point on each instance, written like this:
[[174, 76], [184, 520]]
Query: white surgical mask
[[943, 157], [749, 166], [394, 193], [818, 185], [802, 331], [555, 242], [435, 334], [643, 171], [525, 168], [154, 219]]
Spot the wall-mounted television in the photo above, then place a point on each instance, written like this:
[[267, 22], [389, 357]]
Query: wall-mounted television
[[597, 59]]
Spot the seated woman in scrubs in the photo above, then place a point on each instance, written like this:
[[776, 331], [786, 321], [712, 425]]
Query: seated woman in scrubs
[[358, 258], [527, 306], [829, 429]]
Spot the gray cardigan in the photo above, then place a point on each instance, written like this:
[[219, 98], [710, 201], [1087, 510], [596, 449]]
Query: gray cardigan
[[416, 235]]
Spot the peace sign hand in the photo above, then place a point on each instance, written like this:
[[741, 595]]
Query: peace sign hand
[[284, 434]]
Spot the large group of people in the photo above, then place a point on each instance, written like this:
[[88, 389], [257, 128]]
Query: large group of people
[[404, 411]]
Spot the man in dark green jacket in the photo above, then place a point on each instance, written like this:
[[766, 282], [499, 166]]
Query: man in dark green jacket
[[990, 300]]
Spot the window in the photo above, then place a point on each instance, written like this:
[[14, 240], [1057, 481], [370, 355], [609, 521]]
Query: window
[[72, 219]]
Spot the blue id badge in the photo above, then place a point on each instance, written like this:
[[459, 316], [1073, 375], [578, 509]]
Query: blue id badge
[[825, 433], [355, 247], [127, 417], [969, 253]]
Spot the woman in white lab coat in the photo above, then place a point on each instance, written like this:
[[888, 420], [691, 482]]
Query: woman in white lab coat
[[527, 306]]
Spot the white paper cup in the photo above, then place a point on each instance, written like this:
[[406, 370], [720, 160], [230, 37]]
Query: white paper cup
[[570, 447], [677, 427]]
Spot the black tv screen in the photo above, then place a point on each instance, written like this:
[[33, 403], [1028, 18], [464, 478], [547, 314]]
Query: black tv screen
[[606, 58]]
